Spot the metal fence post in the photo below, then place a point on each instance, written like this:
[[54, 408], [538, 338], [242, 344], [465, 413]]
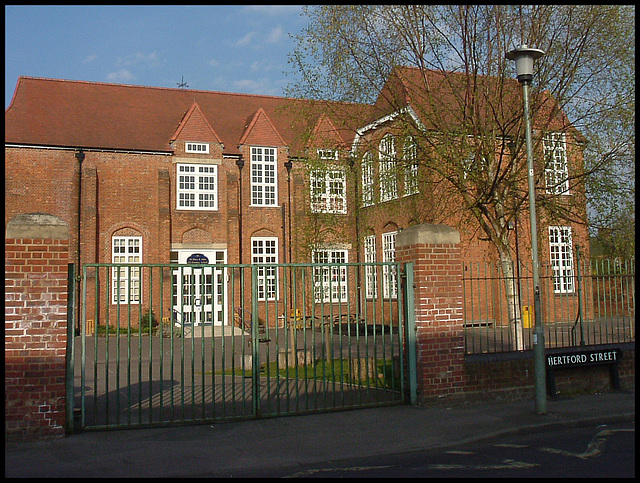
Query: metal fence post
[[411, 334], [579, 287], [255, 345], [70, 355]]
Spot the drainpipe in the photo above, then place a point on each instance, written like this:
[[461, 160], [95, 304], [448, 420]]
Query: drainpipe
[[288, 164], [80, 157], [352, 165], [240, 164]]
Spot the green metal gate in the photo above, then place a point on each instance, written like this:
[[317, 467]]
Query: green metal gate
[[205, 342]]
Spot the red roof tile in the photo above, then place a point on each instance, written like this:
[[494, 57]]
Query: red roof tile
[[446, 100], [77, 114], [196, 111], [261, 131], [51, 112]]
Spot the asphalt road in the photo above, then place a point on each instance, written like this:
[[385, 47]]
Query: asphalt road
[[582, 452]]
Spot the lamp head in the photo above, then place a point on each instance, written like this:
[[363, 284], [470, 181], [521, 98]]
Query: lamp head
[[524, 57]]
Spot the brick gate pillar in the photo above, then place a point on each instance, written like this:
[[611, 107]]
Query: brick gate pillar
[[36, 265], [435, 252]]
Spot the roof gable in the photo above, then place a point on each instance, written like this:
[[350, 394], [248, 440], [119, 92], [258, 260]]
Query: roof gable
[[446, 101], [195, 127], [261, 131], [325, 134]]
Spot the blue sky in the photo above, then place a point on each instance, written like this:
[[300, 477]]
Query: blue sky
[[221, 48]]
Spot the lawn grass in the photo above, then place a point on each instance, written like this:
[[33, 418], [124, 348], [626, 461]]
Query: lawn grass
[[333, 370], [101, 330]]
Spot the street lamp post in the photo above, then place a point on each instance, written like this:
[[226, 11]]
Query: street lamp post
[[524, 57]]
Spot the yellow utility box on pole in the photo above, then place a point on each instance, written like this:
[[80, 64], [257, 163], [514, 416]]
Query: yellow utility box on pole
[[526, 316]]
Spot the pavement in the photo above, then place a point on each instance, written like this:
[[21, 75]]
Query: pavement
[[231, 448]]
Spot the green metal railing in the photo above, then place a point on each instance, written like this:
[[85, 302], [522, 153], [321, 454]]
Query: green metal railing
[[593, 303], [186, 343]]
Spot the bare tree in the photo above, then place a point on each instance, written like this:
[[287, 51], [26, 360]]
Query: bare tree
[[466, 107]]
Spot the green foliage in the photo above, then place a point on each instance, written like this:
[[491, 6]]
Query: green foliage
[[149, 322], [617, 241]]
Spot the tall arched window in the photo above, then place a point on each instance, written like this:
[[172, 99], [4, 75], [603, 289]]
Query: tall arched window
[[367, 179], [410, 155], [388, 171], [125, 285]]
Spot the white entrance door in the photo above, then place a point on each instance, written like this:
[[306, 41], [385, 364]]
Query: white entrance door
[[200, 288]]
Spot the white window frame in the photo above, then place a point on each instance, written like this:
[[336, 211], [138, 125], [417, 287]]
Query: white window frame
[[264, 252], [388, 169], [473, 166], [328, 190], [331, 154], [264, 176], [330, 282], [410, 155], [126, 281], [196, 147], [196, 187], [367, 179], [370, 272], [556, 170], [389, 272], [561, 257]]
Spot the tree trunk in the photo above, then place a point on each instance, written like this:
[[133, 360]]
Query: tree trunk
[[513, 302]]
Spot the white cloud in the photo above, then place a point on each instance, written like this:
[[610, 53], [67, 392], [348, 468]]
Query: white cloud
[[272, 10], [138, 58], [262, 65], [262, 86], [89, 58], [246, 84], [246, 40], [131, 63], [275, 35], [122, 75]]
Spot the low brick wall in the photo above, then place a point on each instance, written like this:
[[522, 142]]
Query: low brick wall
[[510, 376], [36, 265], [444, 373]]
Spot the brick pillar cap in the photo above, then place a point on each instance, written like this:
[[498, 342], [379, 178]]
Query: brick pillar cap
[[37, 225], [427, 234]]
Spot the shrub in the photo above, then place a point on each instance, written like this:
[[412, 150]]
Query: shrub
[[149, 322]]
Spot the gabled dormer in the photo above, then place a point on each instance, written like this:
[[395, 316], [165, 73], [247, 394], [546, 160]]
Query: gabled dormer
[[195, 136], [324, 138], [260, 131], [198, 153], [327, 177]]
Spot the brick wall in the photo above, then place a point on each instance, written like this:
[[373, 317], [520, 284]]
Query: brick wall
[[510, 376], [443, 371], [435, 251], [36, 264]]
